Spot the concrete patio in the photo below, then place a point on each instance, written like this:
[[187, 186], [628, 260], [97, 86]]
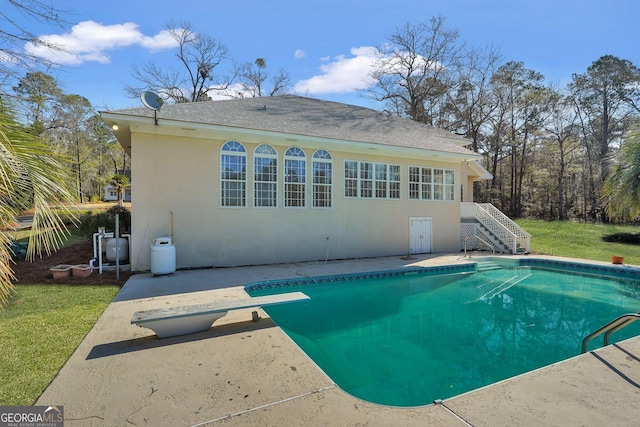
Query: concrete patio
[[248, 373]]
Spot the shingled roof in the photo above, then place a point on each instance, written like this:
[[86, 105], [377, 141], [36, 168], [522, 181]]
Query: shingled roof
[[301, 116]]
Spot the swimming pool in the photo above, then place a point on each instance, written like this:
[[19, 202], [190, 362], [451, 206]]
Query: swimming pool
[[408, 337]]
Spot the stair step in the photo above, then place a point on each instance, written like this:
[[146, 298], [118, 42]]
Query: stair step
[[487, 266]]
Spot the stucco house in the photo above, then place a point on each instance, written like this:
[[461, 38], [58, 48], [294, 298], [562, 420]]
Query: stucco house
[[288, 179]]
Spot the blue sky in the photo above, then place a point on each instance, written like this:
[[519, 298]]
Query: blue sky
[[325, 45]]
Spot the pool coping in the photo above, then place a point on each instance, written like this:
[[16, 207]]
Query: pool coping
[[469, 266]]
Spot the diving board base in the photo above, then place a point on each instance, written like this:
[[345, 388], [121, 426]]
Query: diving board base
[[165, 328]]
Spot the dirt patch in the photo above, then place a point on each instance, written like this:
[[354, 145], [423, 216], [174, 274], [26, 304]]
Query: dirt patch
[[38, 271]]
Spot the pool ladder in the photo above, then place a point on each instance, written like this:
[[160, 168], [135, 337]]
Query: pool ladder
[[609, 328]]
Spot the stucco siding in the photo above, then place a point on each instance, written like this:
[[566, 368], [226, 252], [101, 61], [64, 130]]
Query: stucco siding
[[179, 193]]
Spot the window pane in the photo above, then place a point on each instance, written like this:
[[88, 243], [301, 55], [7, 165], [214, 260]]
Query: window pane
[[449, 177], [449, 192], [426, 192], [233, 193], [438, 176], [265, 195], [394, 190], [366, 170], [366, 188], [350, 169], [427, 175]]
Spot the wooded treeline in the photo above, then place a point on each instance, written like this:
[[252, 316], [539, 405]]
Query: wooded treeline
[[549, 148]]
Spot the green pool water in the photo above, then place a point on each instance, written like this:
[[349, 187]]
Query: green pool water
[[415, 338]]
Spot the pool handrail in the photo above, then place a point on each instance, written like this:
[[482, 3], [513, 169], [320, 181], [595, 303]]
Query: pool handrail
[[611, 327]]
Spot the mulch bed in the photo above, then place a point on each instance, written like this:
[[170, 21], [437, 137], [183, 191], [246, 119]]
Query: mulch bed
[[38, 272]]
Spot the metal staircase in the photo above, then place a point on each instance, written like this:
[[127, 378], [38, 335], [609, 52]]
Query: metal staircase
[[484, 222]]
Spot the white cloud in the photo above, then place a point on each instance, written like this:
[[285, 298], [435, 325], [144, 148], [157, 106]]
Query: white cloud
[[91, 41], [343, 74], [299, 54]]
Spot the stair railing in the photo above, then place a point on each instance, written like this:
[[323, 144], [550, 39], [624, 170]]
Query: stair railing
[[611, 327], [523, 238], [497, 228]]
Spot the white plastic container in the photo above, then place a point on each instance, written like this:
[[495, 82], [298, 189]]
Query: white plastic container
[[163, 257], [122, 246]]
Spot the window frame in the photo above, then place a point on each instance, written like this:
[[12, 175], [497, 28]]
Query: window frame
[[372, 180], [322, 159], [260, 153], [431, 184], [233, 153], [295, 157]]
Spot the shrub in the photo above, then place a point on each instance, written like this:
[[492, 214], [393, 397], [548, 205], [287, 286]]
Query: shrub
[[18, 249], [90, 221], [632, 238]]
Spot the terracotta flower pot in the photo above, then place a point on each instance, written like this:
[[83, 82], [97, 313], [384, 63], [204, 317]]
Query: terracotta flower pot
[[60, 271], [81, 270], [617, 259]]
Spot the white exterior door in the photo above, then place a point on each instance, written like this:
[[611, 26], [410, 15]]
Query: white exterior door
[[419, 235]]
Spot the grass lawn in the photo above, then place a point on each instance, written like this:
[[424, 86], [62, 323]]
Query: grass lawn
[[580, 240], [39, 330]]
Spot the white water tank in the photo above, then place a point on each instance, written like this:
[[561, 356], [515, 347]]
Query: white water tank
[[119, 245], [163, 256]]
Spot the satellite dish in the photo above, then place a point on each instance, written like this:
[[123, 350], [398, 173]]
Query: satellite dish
[[151, 100]]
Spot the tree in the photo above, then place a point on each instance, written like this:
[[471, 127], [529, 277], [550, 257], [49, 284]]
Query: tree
[[15, 34], [198, 54], [252, 78], [621, 189], [416, 70], [520, 97], [73, 135], [471, 101], [561, 127], [31, 176], [604, 94], [604, 97], [119, 182], [38, 93]]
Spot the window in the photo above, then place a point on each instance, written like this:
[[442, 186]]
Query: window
[[371, 180], [322, 179], [394, 181], [449, 184], [233, 169], [381, 181], [350, 178], [265, 176], [366, 179], [431, 183], [295, 171]]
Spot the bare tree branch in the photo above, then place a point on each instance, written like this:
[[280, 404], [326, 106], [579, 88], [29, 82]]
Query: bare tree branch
[[198, 54]]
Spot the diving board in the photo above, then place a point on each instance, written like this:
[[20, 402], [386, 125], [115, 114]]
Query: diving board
[[188, 319]]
